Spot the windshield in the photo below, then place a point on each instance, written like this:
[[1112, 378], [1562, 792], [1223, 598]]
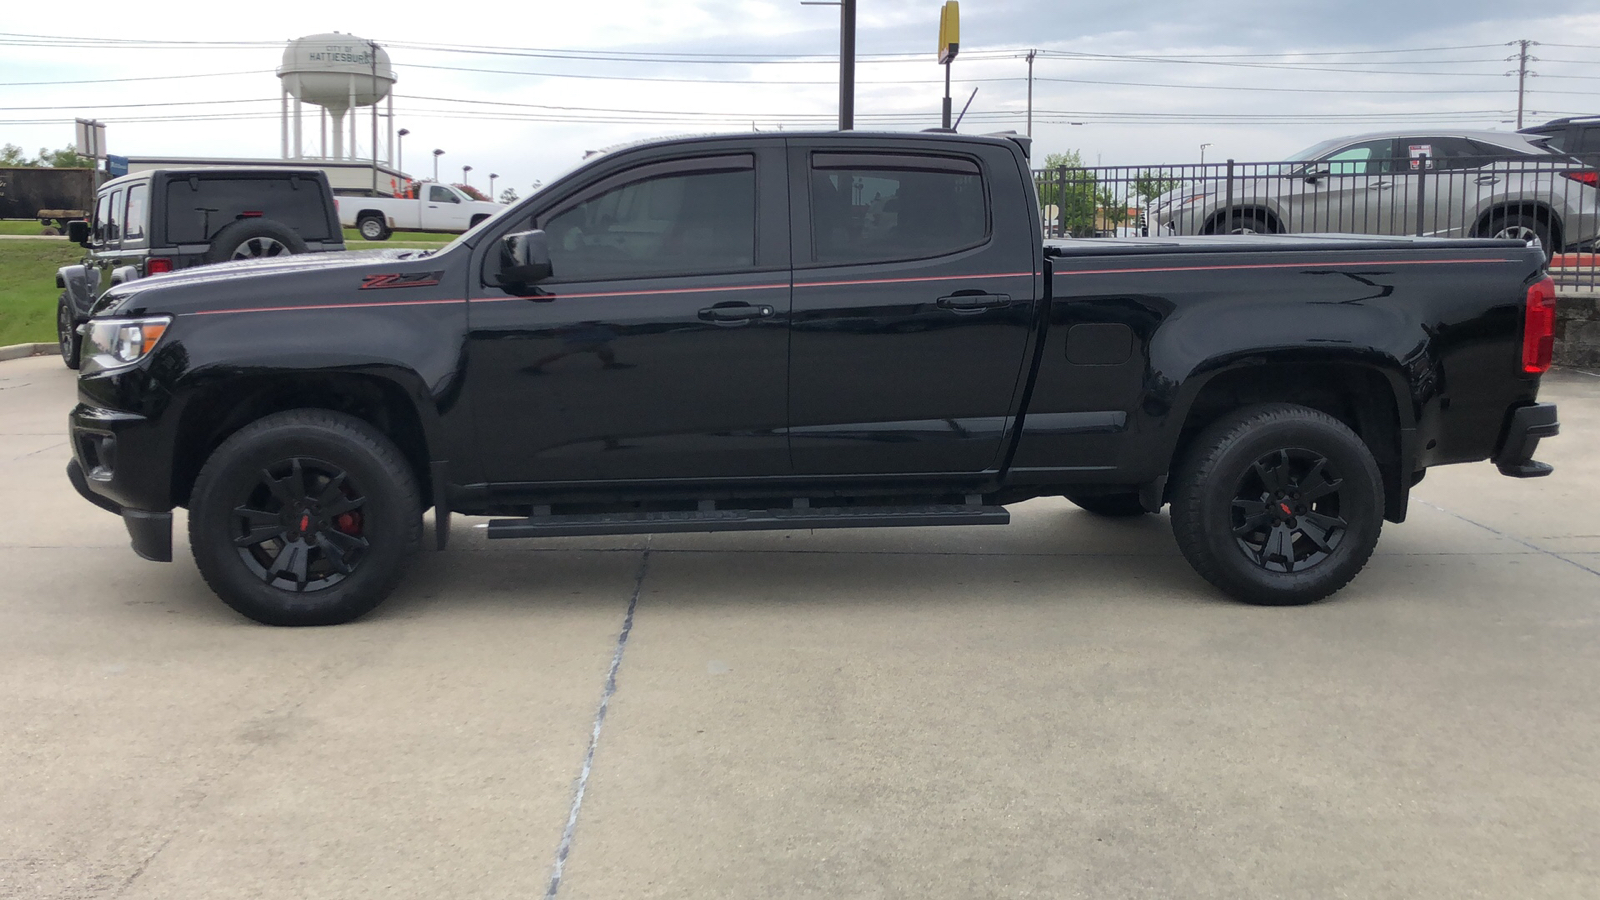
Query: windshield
[[1316, 151]]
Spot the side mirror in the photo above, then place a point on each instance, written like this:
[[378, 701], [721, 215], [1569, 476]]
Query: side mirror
[[1319, 170], [78, 232], [525, 258]]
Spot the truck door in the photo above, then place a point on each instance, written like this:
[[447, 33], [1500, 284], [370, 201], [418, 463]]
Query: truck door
[[913, 305], [442, 210], [659, 348]]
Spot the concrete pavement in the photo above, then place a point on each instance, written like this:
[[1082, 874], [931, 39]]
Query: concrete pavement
[[1058, 708]]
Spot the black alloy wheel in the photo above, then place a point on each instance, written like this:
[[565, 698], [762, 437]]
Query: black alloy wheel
[[1286, 511], [304, 517], [1277, 504], [299, 527]]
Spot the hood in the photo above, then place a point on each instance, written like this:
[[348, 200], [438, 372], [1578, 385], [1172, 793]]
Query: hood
[[250, 269]]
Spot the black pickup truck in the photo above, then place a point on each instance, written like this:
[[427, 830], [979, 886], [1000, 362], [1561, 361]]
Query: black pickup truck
[[837, 330]]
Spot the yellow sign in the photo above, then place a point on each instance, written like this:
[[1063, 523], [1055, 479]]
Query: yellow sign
[[949, 31]]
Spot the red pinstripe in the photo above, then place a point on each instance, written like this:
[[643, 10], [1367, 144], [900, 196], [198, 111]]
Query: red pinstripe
[[1297, 265]]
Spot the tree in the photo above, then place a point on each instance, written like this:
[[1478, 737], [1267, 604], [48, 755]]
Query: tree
[[65, 158], [1070, 194], [472, 192], [508, 196], [1148, 185], [11, 156]]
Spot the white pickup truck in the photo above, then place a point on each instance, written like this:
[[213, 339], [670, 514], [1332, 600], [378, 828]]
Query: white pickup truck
[[437, 207]]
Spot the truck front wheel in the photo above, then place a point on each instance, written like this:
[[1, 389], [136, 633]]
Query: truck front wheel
[[1278, 505], [304, 518], [373, 228], [67, 336]]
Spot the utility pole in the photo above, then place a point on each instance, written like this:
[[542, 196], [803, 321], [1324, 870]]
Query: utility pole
[[1522, 76], [372, 53], [1031, 55], [847, 65]]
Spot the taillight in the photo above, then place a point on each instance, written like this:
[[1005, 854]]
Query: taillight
[[1539, 327], [1591, 177], [157, 265]]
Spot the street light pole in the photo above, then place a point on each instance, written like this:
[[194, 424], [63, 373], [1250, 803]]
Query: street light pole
[[1203, 153], [464, 171], [847, 65], [492, 177], [436, 155]]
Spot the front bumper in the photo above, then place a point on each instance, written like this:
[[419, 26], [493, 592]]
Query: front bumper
[[121, 465], [149, 531], [1528, 424]]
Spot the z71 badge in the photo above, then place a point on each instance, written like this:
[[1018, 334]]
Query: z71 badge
[[400, 280]]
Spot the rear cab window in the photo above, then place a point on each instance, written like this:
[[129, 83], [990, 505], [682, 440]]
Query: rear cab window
[[199, 206], [872, 207]]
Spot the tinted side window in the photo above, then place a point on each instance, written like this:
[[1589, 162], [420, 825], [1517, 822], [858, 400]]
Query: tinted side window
[[102, 215], [437, 194], [681, 224], [199, 207], [866, 211], [114, 221], [1442, 153], [138, 211]]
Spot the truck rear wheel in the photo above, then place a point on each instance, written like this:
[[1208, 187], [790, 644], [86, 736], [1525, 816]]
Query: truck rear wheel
[[1278, 505], [304, 518]]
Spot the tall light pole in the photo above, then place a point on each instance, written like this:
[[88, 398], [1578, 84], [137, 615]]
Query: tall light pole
[[492, 177], [464, 171], [401, 146], [436, 155], [1203, 153]]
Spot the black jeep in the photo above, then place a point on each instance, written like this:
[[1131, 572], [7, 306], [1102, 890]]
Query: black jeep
[[151, 223]]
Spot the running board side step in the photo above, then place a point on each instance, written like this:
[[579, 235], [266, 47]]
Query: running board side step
[[746, 520]]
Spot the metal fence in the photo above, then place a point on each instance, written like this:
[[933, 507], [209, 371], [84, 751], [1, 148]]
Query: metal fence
[[1529, 198]]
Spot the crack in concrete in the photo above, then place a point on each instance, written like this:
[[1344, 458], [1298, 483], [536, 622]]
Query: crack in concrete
[[1511, 537], [565, 847]]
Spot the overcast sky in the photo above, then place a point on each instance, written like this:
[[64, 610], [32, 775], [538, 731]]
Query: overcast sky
[[1207, 88]]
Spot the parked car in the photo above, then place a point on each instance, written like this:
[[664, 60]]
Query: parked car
[[166, 220], [1577, 136], [437, 207], [714, 334], [1452, 184]]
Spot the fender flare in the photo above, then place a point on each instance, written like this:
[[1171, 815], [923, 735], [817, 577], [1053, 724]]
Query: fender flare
[[82, 285]]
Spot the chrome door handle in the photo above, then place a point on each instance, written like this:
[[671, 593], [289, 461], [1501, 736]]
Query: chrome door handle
[[1380, 186], [1488, 179]]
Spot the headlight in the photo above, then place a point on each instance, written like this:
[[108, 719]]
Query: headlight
[[115, 343]]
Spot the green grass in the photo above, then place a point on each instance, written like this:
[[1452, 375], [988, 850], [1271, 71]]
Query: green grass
[[28, 289], [350, 234], [21, 226]]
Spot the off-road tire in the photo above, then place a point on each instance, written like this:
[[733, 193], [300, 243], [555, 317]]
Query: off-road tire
[[261, 234], [301, 440], [1111, 506], [373, 228], [68, 339], [1215, 491]]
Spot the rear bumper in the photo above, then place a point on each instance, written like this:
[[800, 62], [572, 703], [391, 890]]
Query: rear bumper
[[1527, 426]]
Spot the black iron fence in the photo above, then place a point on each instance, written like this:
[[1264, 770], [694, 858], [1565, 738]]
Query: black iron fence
[[1528, 198]]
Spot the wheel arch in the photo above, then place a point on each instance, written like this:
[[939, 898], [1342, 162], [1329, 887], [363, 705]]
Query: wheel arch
[[1538, 209], [1214, 221], [386, 401], [1372, 400], [80, 283]]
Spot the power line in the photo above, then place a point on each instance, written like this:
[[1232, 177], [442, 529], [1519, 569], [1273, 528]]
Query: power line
[[138, 78]]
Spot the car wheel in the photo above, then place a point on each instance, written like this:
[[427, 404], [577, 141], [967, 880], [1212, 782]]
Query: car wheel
[[1522, 227], [1243, 223], [67, 336], [304, 518], [254, 239], [1112, 506], [1278, 505], [372, 228], [478, 220]]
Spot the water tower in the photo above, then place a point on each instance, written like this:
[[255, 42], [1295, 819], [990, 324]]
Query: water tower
[[338, 73]]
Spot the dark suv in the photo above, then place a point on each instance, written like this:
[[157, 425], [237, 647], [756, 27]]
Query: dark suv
[[160, 221], [1577, 136]]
